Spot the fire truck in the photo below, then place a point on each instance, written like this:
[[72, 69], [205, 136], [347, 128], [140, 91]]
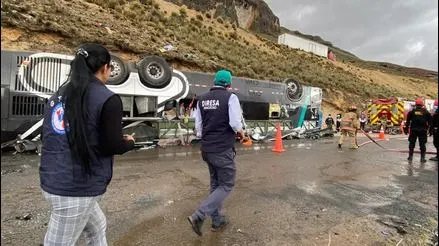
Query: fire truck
[[392, 111], [388, 113]]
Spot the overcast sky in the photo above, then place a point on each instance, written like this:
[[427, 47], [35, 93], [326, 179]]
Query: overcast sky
[[403, 32]]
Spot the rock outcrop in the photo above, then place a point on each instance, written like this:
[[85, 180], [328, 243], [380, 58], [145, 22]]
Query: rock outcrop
[[254, 15]]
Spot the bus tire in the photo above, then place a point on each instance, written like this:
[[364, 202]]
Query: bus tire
[[294, 90], [154, 72], [119, 71]]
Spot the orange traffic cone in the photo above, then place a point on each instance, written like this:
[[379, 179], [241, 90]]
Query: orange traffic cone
[[381, 136], [278, 145]]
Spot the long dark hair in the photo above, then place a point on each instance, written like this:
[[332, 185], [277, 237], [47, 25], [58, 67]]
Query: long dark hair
[[89, 59]]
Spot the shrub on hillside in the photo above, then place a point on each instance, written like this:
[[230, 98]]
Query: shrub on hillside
[[194, 29], [118, 9], [146, 2], [113, 4], [174, 14], [129, 14], [136, 6], [183, 12], [234, 35]]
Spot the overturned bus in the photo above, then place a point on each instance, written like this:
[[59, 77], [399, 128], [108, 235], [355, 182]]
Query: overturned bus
[[148, 88], [266, 102]]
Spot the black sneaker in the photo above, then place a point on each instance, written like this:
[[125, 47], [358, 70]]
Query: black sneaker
[[224, 222], [423, 160], [339, 146], [433, 158], [196, 225], [410, 158]]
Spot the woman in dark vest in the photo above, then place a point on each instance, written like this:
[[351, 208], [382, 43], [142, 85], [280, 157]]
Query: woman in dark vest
[[82, 131]]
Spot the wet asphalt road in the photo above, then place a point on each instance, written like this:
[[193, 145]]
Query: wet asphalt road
[[312, 194]]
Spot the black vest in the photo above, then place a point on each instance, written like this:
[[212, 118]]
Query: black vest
[[419, 120], [217, 134], [59, 174]]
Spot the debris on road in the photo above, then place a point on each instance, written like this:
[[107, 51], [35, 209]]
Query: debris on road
[[4, 172], [169, 142], [24, 217]]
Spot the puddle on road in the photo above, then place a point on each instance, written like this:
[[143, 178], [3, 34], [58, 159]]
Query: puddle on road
[[353, 197], [183, 151], [363, 189], [413, 169], [309, 187]]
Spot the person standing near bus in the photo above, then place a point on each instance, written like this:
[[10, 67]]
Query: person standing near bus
[[363, 120], [329, 122], [338, 122], [218, 119], [81, 132], [434, 128], [349, 126]]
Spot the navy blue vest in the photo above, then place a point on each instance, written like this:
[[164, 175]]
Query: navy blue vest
[[59, 174], [217, 135]]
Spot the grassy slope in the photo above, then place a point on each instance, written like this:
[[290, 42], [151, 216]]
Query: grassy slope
[[132, 29]]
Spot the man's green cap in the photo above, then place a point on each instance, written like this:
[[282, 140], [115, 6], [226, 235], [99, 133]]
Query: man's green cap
[[223, 77]]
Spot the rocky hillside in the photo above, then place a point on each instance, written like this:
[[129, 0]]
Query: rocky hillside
[[203, 40], [253, 15]]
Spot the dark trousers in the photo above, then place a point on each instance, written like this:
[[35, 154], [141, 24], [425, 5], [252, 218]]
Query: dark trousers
[[329, 126], [222, 171], [436, 142], [362, 125], [422, 137]]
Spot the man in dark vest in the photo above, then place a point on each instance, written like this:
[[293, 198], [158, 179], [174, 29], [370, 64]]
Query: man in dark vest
[[329, 122], [419, 122], [217, 120], [338, 122], [433, 129]]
